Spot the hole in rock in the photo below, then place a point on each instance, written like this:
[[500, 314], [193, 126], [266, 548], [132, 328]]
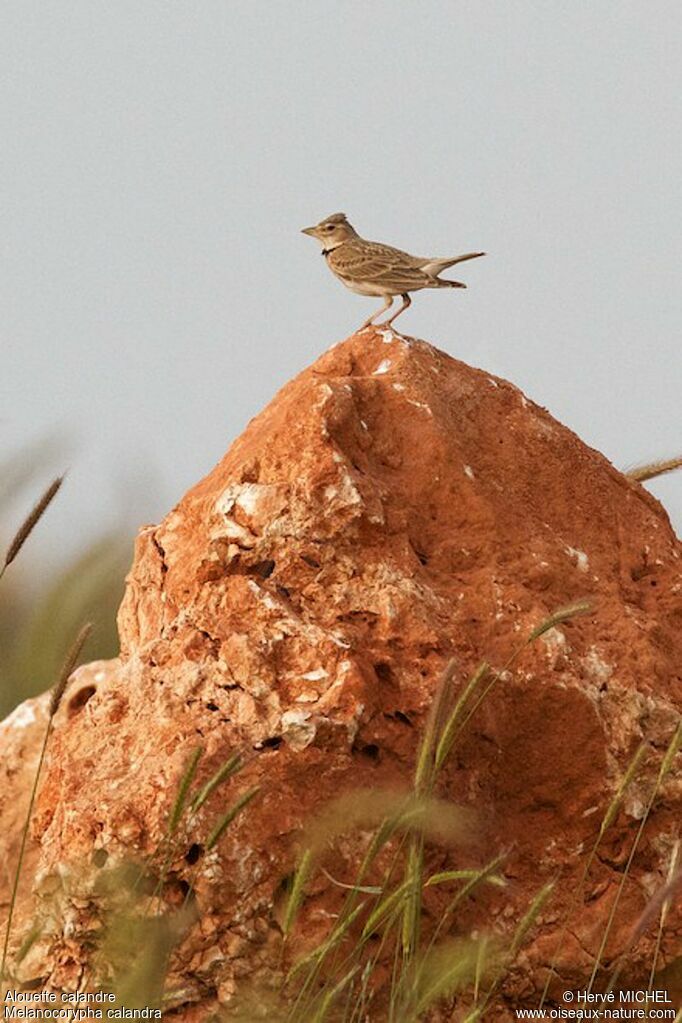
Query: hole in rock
[[383, 671], [283, 592], [264, 569], [284, 886], [193, 853], [398, 715], [178, 892], [369, 750], [272, 742], [212, 706], [100, 857], [313, 562], [79, 699]]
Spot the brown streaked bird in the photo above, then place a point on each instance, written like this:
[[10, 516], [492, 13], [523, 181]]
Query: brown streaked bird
[[371, 268]]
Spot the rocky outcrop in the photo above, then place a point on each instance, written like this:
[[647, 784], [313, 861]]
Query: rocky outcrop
[[391, 509]]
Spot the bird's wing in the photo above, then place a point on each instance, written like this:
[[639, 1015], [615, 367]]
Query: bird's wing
[[381, 264]]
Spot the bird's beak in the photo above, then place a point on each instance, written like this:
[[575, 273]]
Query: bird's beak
[[309, 230]]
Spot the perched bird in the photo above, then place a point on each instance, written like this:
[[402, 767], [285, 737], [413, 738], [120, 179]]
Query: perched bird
[[371, 268]]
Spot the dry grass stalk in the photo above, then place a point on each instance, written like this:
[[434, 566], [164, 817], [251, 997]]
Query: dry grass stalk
[[55, 700], [30, 522], [641, 473], [227, 819], [608, 818], [70, 662], [225, 771], [181, 797], [671, 752]]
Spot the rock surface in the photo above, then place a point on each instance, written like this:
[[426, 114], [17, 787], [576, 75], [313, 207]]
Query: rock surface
[[391, 509]]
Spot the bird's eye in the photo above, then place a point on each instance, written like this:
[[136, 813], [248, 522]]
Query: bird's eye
[[329, 227]]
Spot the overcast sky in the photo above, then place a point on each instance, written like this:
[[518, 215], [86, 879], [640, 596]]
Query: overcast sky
[[158, 162]]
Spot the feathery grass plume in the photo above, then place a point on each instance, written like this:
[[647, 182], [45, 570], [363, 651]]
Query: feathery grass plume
[[529, 918], [447, 736], [641, 473], [183, 788], [673, 749], [30, 522], [231, 766], [562, 614], [435, 722], [227, 819], [55, 699], [442, 971], [391, 810], [138, 979], [70, 662], [296, 893]]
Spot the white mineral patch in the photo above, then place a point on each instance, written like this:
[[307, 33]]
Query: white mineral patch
[[634, 807], [554, 640], [345, 492], [581, 559], [364, 425], [387, 336], [316, 675], [291, 624], [420, 404], [245, 496], [383, 367], [22, 717], [597, 667], [468, 471], [325, 393], [398, 387], [493, 383], [298, 731]]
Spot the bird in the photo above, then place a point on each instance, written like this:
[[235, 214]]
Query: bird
[[375, 269]]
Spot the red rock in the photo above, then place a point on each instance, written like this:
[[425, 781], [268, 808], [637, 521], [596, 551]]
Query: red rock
[[391, 508]]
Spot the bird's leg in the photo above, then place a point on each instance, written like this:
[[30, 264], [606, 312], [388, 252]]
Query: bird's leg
[[407, 301], [388, 302]]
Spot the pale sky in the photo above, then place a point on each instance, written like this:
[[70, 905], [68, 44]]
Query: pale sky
[[158, 162]]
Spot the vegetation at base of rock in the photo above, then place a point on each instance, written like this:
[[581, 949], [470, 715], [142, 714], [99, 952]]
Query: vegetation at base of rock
[[56, 694]]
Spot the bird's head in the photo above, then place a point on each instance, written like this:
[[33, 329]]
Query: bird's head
[[332, 231]]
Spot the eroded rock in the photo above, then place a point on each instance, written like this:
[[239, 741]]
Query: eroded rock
[[391, 509]]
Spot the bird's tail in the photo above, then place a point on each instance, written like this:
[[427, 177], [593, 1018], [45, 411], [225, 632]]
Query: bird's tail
[[436, 266], [440, 283]]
